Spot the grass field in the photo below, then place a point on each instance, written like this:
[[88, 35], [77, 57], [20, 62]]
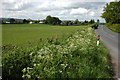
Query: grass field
[[19, 34]]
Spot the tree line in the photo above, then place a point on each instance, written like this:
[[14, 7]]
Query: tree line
[[53, 21], [56, 21]]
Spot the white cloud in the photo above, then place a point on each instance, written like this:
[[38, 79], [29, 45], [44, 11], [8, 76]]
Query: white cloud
[[63, 12], [20, 4], [79, 11], [16, 5], [64, 9], [91, 13], [45, 5], [9, 1]]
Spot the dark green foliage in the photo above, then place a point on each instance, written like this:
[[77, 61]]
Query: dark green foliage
[[98, 20], [86, 21], [95, 25], [13, 61], [112, 12], [112, 16], [76, 21], [25, 21], [52, 20], [92, 21], [12, 20]]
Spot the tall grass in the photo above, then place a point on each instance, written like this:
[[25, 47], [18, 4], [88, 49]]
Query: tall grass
[[114, 27]]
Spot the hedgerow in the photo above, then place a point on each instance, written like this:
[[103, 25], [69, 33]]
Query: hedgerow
[[76, 57]]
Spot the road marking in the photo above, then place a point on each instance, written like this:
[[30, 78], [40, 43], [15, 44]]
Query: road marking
[[107, 33]]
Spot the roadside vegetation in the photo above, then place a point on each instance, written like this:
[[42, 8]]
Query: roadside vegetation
[[75, 56], [112, 16], [94, 26], [113, 27]]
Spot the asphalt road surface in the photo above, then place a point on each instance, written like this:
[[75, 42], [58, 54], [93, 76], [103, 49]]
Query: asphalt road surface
[[110, 39]]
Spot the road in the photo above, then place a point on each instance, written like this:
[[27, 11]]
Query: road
[[110, 39]]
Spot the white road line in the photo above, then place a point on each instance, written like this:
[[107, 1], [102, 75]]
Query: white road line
[[107, 33]]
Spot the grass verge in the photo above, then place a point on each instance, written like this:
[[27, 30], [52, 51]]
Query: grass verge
[[114, 27]]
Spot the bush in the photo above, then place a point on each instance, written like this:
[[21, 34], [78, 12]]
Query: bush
[[13, 61], [95, 25]]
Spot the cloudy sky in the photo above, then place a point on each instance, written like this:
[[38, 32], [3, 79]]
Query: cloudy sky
[[64, 9]]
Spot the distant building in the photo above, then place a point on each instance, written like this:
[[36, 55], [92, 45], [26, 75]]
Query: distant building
[[7, 22], [31, 22], [41, 22]]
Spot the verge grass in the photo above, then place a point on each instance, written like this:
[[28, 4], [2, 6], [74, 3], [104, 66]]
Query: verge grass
[[114, 27]]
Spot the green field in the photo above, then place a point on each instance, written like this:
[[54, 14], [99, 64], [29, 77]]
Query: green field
[[19, 34]]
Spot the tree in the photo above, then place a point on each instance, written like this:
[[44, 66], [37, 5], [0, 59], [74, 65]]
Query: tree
[[85, 21], [53, 20], [98, 20], [26, 21], [49, 19], [12, 20], [92, 21], [76, 21], [112, 12], [70, 23]]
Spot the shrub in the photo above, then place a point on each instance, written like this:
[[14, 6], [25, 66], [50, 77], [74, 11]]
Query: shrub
[[13, 61], [95, 25]]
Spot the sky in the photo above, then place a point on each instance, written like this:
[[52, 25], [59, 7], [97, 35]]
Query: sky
[[63, 9]]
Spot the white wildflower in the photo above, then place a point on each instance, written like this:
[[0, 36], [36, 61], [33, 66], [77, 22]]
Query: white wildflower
[[34, 64], [60, 71], [24, 70], [31, 53], [28, 76], [23, 76]]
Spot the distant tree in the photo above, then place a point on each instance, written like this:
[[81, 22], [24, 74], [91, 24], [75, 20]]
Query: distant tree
[[26, 21], [53, 20], [12, 20], [70, 23], [44, 21], [111, 12], [49, 19], [92, 21], [76, 21], [98, 20], [36, 21], [65, 23], [29, 20], [85, 21]]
